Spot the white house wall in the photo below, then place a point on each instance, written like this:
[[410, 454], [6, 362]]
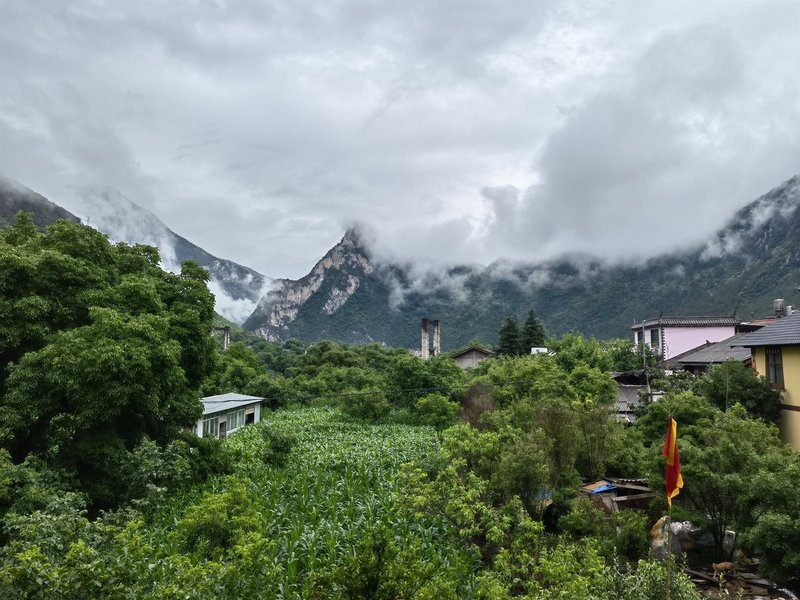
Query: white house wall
[[682, 339]]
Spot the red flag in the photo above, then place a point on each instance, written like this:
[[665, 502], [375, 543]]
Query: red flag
[[673, 474]]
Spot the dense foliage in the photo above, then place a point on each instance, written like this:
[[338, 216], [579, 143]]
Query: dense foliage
[[377, 474], [100, 350]]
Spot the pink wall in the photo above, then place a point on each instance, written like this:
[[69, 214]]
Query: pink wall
[[681, 339]]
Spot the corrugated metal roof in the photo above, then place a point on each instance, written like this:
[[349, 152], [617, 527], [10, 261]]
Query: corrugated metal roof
[[225, 402], [717, 353], [708, 321], [785, 332]]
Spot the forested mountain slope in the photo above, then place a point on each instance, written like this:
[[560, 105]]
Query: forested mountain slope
[[350, 297], [15, 198]]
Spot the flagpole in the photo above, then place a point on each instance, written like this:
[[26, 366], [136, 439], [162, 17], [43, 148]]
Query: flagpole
[[669, 546]]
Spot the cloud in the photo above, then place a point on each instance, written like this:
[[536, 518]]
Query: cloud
[[234, 309], [650, 166], [460, 132]]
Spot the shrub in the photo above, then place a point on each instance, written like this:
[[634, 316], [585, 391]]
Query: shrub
[[436, 410], [212, 526], [367, 407], [279, 446]]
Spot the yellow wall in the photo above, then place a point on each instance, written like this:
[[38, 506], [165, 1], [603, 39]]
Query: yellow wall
[[790, 419]]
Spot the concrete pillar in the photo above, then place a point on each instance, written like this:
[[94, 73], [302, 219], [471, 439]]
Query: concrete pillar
[[424, 346], [437, 338]]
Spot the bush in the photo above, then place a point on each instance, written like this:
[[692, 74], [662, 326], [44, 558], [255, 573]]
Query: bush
[[649, 582], [149, 466], [212, 526], [630, 534], [367, 407], [208, 456], [279, 446], [622, 535], [436, 410]]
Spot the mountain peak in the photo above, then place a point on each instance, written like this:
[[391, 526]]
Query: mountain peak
[[354, 239], [335, 278]]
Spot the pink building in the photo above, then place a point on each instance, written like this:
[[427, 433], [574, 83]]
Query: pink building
[[671, 336]]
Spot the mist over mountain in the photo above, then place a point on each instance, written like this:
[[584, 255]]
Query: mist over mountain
[[352, 297], [237, 288], [15, 198]]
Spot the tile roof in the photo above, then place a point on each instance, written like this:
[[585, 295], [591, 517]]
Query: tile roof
[[707, 321], [785, 332], [628, 398], [479, 349], [673, 363], [225, 402], [719, 352]]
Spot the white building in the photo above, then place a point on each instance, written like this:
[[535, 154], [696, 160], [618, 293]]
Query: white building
[[225, 413], [670, 336]]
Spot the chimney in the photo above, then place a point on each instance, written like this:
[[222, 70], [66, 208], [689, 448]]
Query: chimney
[[226, 337], [779, 307], [437, 338], [425, 346]]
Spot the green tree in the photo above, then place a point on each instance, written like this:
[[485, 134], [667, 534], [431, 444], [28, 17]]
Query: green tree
[[732, 383], [693, 414], [572, 350], [533, 334], [627, 356], [100, 348], [775, 532], [510, 340], [409, 378], [719, 463], [436, 410]]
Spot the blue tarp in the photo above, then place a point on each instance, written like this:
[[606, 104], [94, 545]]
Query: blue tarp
[[605, 488]]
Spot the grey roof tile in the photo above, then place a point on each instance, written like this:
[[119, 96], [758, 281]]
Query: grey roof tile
[[719, 352], [785, 332], [706, 321]]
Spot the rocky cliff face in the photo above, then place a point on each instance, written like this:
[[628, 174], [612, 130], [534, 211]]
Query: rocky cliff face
[[753, 259], [333, 281]]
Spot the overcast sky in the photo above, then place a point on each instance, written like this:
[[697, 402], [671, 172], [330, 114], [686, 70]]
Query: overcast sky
[[455, 130]]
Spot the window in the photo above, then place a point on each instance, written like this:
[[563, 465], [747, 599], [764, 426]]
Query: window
[[654, 338], [638, 337], [235, 420], [211, 427], [774, 367]]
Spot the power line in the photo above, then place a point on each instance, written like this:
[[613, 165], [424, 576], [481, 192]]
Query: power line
[[409, 391]]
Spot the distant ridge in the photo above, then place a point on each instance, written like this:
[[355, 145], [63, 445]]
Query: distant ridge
[[15, 198], [348, 296], [237, 288]]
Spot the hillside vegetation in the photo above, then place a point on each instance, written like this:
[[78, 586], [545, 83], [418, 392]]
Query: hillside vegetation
[[751, 261], [375, 475]]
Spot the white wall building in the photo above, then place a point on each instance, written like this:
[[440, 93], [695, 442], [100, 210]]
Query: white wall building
[[670, 336], [225, 413]]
